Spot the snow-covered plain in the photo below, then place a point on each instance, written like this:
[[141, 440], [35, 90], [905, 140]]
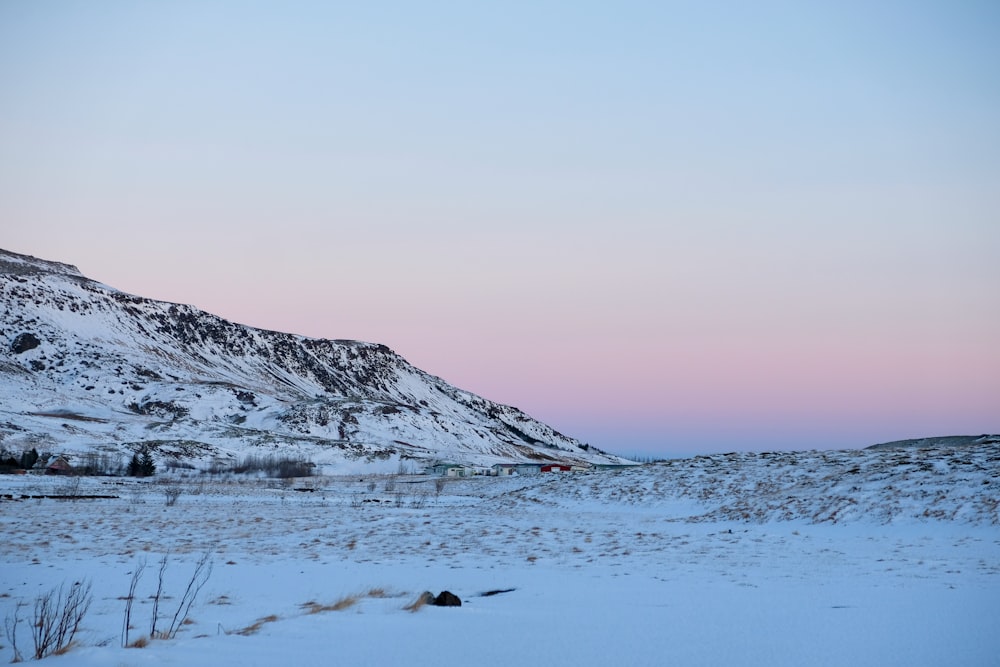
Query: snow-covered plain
[[869, 557]]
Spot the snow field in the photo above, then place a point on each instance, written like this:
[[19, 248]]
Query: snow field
[[628, 567]]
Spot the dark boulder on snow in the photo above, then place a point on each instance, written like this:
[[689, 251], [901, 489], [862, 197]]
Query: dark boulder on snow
[[24, 342], [447, 599]]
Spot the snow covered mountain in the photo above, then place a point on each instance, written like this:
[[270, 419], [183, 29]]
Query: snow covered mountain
[[85, 367]]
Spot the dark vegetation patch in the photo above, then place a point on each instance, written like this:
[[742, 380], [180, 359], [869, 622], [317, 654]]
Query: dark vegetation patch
[[496, 592], [64, 414]]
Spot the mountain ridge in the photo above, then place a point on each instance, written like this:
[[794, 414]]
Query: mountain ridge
[[120, 371]]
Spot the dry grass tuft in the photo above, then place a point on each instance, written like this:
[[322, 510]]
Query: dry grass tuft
[[343, 603], [255, 627], [422, 600], [63, 650], [346, 602], [141, 642], [313, 607]]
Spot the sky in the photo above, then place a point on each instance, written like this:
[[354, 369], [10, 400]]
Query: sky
[[664, 228]]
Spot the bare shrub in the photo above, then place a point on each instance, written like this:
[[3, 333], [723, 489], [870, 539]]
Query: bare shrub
[[271, 466], [137, 495], [70, 488], [171, 493], [57, 616], [10, 624], [136, 574], [158, 596], [288, 468], [202, 571], [100, 463]]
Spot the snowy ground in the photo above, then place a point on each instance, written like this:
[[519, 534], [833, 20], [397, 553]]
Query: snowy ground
[[738, 559]]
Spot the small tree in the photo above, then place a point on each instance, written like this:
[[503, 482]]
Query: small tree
[[28, 459], [146, 463], [141, 464], [134, 467]]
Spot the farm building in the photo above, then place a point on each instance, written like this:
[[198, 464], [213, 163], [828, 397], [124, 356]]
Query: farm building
[[59, 466]]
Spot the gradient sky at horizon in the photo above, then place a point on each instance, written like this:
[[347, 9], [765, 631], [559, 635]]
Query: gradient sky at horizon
[[661, 227]]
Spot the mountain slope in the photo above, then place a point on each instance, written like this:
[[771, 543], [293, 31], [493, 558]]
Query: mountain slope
[[84, 366]]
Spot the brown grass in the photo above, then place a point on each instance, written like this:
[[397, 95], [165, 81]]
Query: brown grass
[[346, 602], [313, 607], [255, 627], [419, 603], [63, 650], [141, 642], [343, 603]]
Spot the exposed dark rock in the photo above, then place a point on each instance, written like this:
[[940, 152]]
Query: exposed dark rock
[[447, 599], [159, 409], [24, 342]]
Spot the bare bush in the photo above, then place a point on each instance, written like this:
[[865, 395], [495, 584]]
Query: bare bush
[[10, 624], [356, 501], [158, 595], [136, 575], [202, 571], [70, 488], [418, 500], [294, 468], [100, 464], [57, 616], [171, 493], [271, 466]]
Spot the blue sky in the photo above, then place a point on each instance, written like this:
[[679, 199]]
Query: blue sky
[[660, 227]]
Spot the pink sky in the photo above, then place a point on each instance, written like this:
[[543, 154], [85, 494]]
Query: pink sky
[[660, 229]]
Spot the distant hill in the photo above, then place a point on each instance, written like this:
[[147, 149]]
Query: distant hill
[[941, 441], [85, 367]]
